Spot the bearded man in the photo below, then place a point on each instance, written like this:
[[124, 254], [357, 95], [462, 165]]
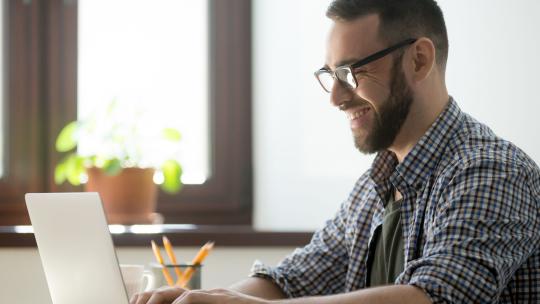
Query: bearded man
[[448, 211]]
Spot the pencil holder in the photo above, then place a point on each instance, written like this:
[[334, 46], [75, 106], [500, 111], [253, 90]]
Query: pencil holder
[[159, 278]]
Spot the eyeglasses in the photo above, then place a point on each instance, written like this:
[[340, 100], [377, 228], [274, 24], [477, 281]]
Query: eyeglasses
[[345, 74]]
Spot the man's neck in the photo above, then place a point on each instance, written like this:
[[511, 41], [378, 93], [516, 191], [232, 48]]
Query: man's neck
[[423, 113]]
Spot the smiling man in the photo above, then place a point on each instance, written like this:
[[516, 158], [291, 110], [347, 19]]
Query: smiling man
[[448, 211]]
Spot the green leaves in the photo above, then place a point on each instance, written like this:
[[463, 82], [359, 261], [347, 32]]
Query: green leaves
[[171, 169], [70, 168], [66, 138], [171, 134], [172, 172], [112, 166], [60, 173]]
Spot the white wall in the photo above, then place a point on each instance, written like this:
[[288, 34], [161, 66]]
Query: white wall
[[305, 160], [22, 280], [494, 63]]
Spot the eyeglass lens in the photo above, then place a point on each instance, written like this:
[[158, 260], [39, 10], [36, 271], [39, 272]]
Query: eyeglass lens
[[326, 80], [344, 75]]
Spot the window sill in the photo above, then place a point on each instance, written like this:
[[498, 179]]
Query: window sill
[[179, 235]]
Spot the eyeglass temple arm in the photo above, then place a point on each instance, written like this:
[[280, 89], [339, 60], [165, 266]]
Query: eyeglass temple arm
[[383, 53]]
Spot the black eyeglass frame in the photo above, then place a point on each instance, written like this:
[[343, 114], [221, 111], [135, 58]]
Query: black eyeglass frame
[[350, 67]]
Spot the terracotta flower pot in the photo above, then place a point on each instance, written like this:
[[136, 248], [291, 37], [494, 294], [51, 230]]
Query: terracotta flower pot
[[128, 197]]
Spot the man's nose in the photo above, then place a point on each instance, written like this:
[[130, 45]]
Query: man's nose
[[340, 93]]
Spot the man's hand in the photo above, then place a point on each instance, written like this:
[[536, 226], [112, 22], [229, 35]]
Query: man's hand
[[221, 296], [163, 295], [177, 295]]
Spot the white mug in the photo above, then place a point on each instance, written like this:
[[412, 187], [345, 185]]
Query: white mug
[[136, 279]]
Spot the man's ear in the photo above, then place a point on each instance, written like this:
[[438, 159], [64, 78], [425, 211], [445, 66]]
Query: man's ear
[[422, 59]]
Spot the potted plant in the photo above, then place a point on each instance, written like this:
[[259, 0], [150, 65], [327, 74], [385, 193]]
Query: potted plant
[[120, 154]]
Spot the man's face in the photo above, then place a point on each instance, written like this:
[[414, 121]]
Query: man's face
[[380, 104]]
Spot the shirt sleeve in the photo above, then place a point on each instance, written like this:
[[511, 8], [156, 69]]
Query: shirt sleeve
[[485, 228], [316, 269]]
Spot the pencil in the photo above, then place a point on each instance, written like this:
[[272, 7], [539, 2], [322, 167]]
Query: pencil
[[169, 249], [164, 269], [199, 258]]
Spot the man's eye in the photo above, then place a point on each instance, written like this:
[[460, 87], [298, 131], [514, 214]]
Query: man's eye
[[360, 72]]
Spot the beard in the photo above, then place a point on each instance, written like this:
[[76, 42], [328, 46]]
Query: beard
[[392, 113]]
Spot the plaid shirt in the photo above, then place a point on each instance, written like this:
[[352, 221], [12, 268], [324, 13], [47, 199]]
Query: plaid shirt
[[470, 217]]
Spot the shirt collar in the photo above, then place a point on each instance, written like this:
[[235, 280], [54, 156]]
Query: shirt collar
[[419, 164]]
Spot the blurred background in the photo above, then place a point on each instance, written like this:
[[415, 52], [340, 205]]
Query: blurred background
[[261, 145]]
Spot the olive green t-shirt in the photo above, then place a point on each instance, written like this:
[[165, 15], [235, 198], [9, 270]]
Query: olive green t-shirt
[[387, 253]]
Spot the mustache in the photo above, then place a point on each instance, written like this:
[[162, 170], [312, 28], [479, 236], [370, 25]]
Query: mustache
[[353, 103]]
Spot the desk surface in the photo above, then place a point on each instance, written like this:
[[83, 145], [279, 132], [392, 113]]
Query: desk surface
[[179, 234]]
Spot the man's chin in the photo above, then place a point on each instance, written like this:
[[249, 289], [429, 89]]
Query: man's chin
[[362, 144]]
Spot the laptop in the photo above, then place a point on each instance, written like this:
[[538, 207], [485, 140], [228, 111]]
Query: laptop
[[76, 248]]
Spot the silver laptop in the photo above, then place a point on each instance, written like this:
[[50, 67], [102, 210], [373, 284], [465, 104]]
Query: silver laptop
[[76, 248]]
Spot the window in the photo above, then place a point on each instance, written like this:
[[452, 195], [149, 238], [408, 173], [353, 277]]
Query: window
[[46, 89], [153, 61]]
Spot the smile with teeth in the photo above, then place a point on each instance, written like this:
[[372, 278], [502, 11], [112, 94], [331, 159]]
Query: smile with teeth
[[357, 114]]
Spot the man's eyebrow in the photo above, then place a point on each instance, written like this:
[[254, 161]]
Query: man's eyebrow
[[342, 63], [346, 62]]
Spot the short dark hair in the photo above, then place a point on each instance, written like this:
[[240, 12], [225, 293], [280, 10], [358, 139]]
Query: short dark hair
[[400, 19]]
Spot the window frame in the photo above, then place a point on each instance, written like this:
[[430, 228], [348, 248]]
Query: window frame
[[23, 140], [41, 86]]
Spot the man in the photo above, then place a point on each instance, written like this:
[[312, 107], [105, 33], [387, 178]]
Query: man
[[448, 212]]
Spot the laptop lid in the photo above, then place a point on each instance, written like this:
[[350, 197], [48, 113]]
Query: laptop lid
[[76, 248]]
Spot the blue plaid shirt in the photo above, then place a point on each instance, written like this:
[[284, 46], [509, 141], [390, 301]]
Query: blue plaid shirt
[[470, 216]]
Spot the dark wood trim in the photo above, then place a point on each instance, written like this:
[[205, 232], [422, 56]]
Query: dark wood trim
[[24, 145], [61, 79], [40, 99], [224, 236]]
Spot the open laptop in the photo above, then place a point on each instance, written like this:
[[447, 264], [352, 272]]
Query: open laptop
[[76, 248]]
